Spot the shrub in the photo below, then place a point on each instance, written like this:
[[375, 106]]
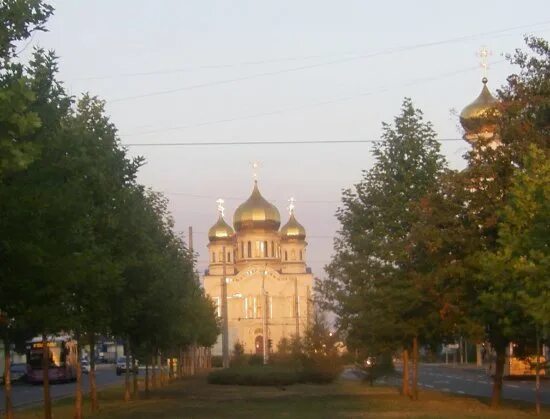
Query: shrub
[[267, 375], [255, 359], [217, 361]]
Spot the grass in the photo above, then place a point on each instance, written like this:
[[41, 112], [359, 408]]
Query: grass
[[194, 398]]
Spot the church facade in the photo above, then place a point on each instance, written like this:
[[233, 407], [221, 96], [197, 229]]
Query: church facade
[[267, 282]]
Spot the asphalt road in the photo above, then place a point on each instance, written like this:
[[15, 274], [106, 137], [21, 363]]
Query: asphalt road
[[475, 382], [28, 394]]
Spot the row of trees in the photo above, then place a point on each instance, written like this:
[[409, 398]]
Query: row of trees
[[84, 248], [426, 254]]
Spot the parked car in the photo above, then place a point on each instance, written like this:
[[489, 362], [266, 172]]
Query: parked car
[[85, 366], [121, 366], [18, 372]]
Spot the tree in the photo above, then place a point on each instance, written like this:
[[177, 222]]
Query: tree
[[18, 20], [371, 286], [523, 122]]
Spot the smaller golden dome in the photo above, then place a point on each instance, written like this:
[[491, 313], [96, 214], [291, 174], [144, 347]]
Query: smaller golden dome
[[480, 115], [220, 231], [256, 212], [293, 230]]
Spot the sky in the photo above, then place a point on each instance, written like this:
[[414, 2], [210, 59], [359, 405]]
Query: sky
[[290, 70]]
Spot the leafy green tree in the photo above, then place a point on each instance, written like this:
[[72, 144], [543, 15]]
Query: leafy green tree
[[371, 286], [523, 122], [18, 20]]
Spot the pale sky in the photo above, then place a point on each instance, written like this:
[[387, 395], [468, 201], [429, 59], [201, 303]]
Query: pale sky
[[196, 71]]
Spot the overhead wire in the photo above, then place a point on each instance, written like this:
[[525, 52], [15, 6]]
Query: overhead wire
[[267, 142], [313, 104], [354, 56]]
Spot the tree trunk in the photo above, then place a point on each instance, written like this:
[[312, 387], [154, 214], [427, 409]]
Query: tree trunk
[[127, 373], [171, 372], [406, 390], [7, 381], [154, 372], [78, 389], [94, 404], [46, 378], [537, 377], [135, 392], [499, 372], [147, 380], [415, 369]]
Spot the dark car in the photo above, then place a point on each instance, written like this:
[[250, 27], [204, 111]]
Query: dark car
[[121, 366], [18, 372]]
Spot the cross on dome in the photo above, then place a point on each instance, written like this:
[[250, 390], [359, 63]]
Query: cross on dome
[[484, 55], [221, 208], [255, 169], [291, 205]]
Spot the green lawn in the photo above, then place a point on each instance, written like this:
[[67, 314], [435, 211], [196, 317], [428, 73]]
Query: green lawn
[[194, 398]]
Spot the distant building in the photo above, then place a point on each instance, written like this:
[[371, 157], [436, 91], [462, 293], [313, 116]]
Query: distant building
[[268, 281]]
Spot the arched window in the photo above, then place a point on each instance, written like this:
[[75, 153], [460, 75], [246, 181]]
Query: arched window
[[242, 249], [286, 255], [249, 249], [213, 257], [229, 257], [272, 249], [301, 255], [265, 251]]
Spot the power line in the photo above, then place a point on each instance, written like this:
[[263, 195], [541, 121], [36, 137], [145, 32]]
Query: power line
[[355, 56], [234, 198], [268, 142], [314, 104]]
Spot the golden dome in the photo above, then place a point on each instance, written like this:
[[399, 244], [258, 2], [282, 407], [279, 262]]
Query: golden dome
[[220, 231], [256, 212], [293, 229], [480, 115]]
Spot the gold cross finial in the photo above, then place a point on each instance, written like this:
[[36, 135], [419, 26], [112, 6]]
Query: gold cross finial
[[221, 208], [255, 168], [291, 205], [484, 55]]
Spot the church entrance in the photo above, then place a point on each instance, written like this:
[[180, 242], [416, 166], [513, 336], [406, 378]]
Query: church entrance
[[259, 344]]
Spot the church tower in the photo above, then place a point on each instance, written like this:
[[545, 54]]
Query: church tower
[[293, 244], [479, 119]]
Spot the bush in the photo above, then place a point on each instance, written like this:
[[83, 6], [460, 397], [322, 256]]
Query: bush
[[217, 361], [320, 369], [255, 360], [267, 375]]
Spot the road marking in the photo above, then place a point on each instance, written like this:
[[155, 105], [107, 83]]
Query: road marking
[[460, 392], [512, 385], [445, 389], [429, 386]]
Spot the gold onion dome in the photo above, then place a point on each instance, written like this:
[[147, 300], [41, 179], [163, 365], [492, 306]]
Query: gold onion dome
[[220, 231], [256, 213], [293, 229], [480, 115]]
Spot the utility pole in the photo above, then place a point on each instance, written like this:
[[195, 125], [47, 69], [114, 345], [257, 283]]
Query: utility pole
[[296, 307], [225, 326], [264, 325], [191, 239]]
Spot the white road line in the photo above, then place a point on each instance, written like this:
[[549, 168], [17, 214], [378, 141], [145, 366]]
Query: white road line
[[429, 386], [460, 392], [512, 385]]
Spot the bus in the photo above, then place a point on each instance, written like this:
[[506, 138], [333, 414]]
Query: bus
[[63, 359]]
